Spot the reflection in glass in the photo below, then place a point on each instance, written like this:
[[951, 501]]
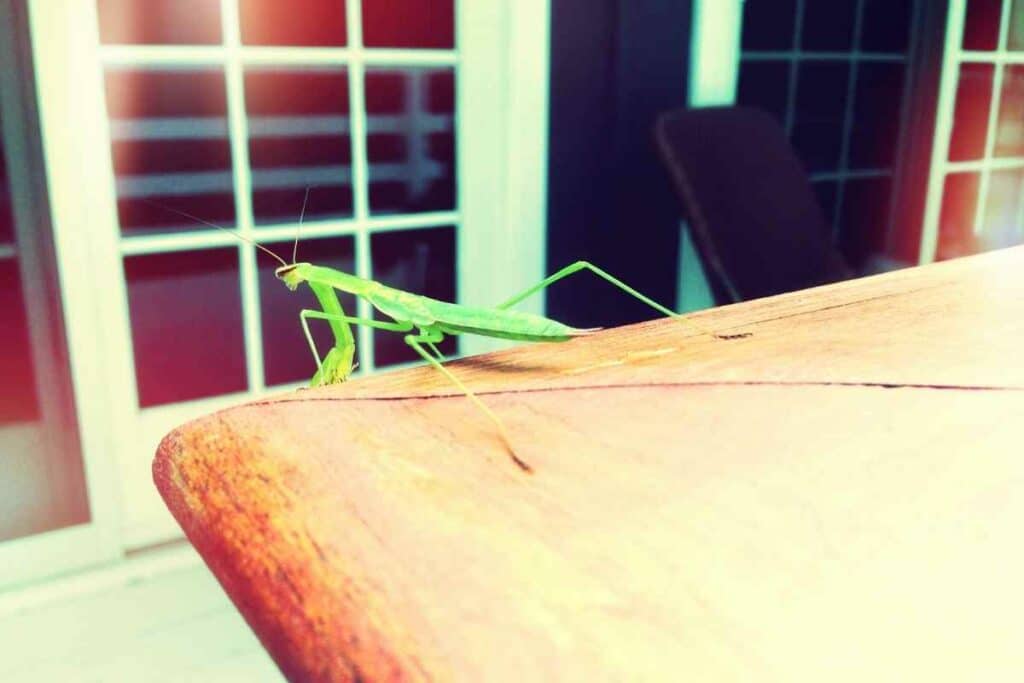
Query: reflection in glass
[[885, 25], [299, 137], [1003, 223], [864, 218], [768, 24], [764, 85], [409, 23], [820, 109], [411, 139], [970, 113], [1010, 127], [956, 220], [981, 24], [827, 193], [828, 26], [312, 23], [874, 136], [169, 137], [420, 261], [286, 354], [1015, 36], [186, 321], [42, 479], [159, 22]]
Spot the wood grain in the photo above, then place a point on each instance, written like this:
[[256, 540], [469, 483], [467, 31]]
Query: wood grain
[[837, 496]]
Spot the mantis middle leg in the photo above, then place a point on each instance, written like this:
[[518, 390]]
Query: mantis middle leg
[[430, 337]]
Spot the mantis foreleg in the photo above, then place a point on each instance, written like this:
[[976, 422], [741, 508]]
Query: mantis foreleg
[[338, 364], [586, 265], [433, 336]]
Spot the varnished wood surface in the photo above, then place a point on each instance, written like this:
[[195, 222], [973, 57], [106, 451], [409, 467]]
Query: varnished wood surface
[[837, 496]]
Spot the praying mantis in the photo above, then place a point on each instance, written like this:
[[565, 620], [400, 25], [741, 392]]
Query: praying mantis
[[425, 321]]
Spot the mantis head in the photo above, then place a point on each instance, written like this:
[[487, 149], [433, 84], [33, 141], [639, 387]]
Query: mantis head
[[291, 275]]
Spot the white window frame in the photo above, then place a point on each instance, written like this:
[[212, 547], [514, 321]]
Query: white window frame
[[502, 87], [953, 56]]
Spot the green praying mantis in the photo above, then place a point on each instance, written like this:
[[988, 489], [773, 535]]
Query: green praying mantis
[[424, 321]]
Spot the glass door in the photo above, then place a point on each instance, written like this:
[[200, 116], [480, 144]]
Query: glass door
[[54, 508], [977, 179], [397, 119]]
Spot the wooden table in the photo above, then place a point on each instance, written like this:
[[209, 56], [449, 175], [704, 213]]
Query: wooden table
[[839, 495]]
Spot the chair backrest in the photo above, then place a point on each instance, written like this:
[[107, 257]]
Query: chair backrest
[[753, 215]]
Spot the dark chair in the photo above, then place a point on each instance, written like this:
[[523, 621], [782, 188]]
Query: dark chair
[[754, 218]]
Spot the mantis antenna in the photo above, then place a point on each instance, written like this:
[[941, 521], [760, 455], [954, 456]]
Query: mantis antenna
[[185, 214], [302, 214]]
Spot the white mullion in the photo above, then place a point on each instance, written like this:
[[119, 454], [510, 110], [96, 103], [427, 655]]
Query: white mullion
[[8, 251], [794, 68], [1000, 164], [248, 274], [844, 144], [943, 130], [190, 55], [1000, 57], [360, 173], [981, 205]]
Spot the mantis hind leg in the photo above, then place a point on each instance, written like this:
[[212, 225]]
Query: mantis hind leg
[[586, 265], [430, 337]]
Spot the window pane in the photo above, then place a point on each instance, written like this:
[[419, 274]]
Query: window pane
[[827, 193], [186, 319], [311, 23], [876, 115], [764, 85], [970, 114], [411, 139], [286, 354], [885, 26], [159, 22], [1002, 226], [864, 218], [409, 23], [169, 136], [956, 220], [419, 261], [768, 24], [1010, 127], [981, 24], [18, 400], [299, 122], [1015, 37], [828, 26], [820, 108]]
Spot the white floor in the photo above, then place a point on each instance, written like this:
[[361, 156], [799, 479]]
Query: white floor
[[157, 618]]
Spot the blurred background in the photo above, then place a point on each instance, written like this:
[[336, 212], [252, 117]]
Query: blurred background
[[458, 149]]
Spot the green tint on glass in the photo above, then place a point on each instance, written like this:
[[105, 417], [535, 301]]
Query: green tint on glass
[[299, 136], [169, 139], [286, 354], [411, 139], [311, 23], [159, 22], [956, 220], [186, 321], [970, 113], [1010, 125], [420, 261], [1015, 35]]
